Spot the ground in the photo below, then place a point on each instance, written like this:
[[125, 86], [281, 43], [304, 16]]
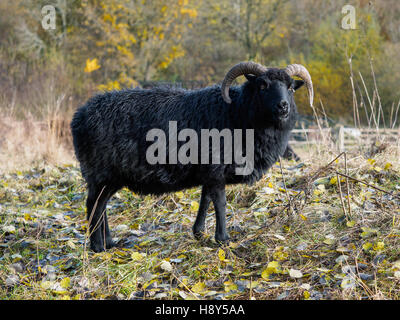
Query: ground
[[303, 232]]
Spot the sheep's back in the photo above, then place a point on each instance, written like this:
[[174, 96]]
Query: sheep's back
[[109, 134]]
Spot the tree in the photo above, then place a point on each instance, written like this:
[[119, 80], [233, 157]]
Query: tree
[[136, 39]]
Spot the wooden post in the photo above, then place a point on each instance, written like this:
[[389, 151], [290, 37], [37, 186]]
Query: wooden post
[[341, 139]]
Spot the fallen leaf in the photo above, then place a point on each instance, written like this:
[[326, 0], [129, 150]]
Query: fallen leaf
[[272, 267], [194, 206], [199, 287], [230, 286], [65, 283], [221, 255], [295, 273], [136, 256], [166, 266], [350, 223]]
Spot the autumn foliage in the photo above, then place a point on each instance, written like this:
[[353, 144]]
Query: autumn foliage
[[106, 45]]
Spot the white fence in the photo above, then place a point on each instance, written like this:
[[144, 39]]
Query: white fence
[[344, 138], [341, 137]]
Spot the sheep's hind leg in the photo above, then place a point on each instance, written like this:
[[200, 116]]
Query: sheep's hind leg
[[199, 225], [100, 237]]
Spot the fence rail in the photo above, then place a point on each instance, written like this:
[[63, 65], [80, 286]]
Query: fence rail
[[344, 138], [351, 137]]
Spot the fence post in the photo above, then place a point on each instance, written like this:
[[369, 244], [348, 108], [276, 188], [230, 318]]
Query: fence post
[[341, 139]]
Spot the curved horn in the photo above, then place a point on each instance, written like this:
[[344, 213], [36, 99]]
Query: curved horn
[[300, 71], [239, 70]]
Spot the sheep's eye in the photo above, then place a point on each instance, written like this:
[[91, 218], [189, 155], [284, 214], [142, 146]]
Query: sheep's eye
[[263, 86]]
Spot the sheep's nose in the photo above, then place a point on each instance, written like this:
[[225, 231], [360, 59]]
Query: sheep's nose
[[283, 106]]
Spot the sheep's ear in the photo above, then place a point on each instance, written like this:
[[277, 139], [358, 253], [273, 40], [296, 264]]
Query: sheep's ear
[[250, 77], [298, 84], [262, 83]]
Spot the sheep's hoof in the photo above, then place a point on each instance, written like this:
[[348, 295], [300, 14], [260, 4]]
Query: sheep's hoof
[[222, 239], [110, 244], [97, 247]]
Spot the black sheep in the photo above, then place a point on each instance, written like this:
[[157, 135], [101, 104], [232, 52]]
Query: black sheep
[[289, 154], [111, 139]]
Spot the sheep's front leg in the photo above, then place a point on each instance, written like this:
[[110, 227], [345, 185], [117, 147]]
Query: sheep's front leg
[[218, 197]]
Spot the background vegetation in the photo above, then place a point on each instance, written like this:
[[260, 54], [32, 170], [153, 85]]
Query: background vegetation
[[100, 45], [325, 228]]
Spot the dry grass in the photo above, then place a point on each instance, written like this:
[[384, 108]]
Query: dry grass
[[26, 143]]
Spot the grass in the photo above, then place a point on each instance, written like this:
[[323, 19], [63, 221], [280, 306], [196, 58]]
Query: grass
[[325, 228], [329, 243]]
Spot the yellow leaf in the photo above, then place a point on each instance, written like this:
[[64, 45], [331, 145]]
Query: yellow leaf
[[46, 284], [105, 256], [179, 194], [91, 65], [183, 282], [118, 260], [230, 286], [317, 192], [379, 246], [367, 232], [199, 287], [136, 256], [350, 223], [221, 255], [65, 283], [265, 274], [149, 283], [333, 180], [366, 246], [60, 292], [303, 217], [233, 245], [252, 285], [272, 267], [388, 166], [280, 254], [194, 206]]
